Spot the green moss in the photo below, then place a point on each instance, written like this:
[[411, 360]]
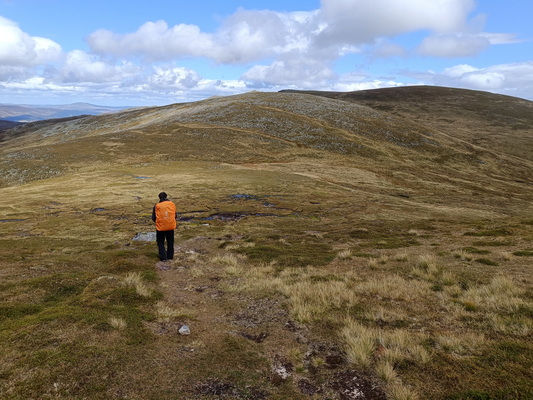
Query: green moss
[[13, 311], [523, 253], [298, 254], [487, 243], [491, 232]]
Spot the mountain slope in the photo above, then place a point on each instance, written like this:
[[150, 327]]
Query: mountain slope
[[320, 133], [326, 248], [497, 122]]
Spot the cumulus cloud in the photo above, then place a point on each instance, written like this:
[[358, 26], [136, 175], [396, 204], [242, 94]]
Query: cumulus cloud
[[154, 40], [514, 79], [338, 27], [173, 78], [80, 66], [362, 21], [307, 73], [243, 37], [18, 49]]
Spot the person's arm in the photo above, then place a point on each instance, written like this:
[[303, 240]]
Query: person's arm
[[153, 214]]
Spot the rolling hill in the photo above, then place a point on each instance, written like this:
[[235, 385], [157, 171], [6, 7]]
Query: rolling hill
[[363, 245]]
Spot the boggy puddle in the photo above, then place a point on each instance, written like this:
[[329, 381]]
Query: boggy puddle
[[227, 216]]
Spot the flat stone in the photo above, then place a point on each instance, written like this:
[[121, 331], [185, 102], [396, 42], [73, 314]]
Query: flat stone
[[145, 237]]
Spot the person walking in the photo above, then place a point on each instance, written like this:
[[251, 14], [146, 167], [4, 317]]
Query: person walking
[[164, 215]]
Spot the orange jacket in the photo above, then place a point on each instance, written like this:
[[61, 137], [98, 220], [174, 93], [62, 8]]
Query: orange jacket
[[165, 215]]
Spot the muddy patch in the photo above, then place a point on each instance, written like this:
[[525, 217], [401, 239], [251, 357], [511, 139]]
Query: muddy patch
[[224, 216]]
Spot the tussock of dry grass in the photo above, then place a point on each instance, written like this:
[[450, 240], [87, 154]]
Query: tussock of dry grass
[[380, 351], [135, 280], [463, 255], [464, 344], [311, 300], [386, 372], [393, 287], [344, 254], [360, 342], [166, 313], [118, 323], [500, 295], [399, 391]]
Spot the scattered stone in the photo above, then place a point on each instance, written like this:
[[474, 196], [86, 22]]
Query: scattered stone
[[281, 370], [164, 265], [184, 330], [145, 237]]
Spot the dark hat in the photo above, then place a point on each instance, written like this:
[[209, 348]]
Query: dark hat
[[162, 196]]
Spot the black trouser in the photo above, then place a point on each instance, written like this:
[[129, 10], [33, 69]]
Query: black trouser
[[161, 236]]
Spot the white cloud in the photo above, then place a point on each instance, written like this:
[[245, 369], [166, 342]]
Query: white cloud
[[83, 67], [295, 69], [243, 37], [153, 40], [173, 78], [453, 45], [513, 79], [18, 49], [363, 21], [459, 70], [484, 80]]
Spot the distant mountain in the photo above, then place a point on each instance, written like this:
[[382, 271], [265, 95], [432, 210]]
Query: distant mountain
[[7, 124], [30, 113], [418, 129]]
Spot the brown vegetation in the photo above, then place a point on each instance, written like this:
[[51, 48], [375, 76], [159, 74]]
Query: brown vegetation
[[373, 245]]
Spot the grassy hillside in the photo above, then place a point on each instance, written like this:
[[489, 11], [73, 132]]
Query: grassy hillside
[[490, 120], [328, 248]]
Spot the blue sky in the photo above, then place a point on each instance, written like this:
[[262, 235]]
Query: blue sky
[[116, 52]]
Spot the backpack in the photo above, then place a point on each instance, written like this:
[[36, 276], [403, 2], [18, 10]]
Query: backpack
[[165, 216]]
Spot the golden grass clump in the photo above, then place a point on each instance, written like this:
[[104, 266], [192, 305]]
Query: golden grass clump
[[344, 254], [401, 257], [517, 326], [501, 295], [118, 323], [461, 345], [310, 300], [360, 342], [135, 280], [386, 372], [232, 263], [166, 313], [399, 391], [463, 255], [393, 287]]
